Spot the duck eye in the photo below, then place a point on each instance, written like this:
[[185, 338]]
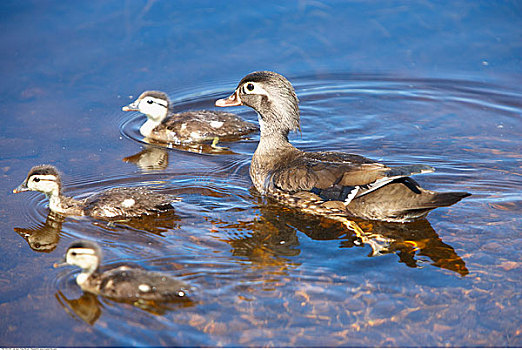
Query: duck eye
[[150, 102], [250, 87], [36, 179]]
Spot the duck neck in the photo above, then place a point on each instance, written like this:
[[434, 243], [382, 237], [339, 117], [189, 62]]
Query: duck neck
[[84, 275], [63, 205], [148, 126], [272, 139]]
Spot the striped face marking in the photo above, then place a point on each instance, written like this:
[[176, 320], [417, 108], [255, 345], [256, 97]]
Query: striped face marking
[[85, 258], [43, 183], [155, 108]]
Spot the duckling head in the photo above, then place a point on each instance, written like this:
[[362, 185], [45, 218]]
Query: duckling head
[[84, 254], [154, 104], [42, 178], [272, 96]]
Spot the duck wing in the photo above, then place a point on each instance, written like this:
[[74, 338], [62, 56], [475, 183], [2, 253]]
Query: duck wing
[[336, 176], [131, 283], [208, 124], [128, 202]]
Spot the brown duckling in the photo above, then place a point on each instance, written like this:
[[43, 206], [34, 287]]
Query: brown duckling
[[120, 282], [186, 127], [115, 203], [333, 184]]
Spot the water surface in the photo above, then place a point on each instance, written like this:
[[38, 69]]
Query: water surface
[[266, 275]]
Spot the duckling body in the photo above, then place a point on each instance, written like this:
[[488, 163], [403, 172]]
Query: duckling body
[[115, 203], [334, 184], [186, 127], [120, 282]]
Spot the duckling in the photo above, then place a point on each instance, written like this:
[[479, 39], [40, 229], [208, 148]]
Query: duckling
[[115, 203], [333, 184], [186, 127], [121, 282]]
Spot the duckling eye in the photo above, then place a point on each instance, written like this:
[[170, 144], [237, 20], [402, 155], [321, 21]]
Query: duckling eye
[[150, 102], [250, 87], [73, 253], [36, 179]]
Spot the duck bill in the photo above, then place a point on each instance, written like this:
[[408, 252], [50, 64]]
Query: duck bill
[[21, 188], [232, 100], [58, 264], [130, 107]]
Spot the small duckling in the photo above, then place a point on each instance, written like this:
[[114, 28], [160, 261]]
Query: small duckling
[[186, 127], [115, 203], [120, 282]]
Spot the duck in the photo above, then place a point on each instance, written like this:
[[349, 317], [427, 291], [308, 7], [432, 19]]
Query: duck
[[334, 184], [120, 281], [187, 127], [115, 203]]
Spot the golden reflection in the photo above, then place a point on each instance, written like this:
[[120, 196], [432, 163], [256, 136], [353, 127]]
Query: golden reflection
[[45, 237], [151, 158], [156, 224], [202, 148], [88, 307], [272, 238]]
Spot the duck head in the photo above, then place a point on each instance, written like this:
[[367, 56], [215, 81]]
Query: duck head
[[42, 178], [154, 104], [272, 96], [84, 254]]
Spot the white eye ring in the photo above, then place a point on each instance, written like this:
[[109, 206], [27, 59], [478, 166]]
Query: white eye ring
[[253, 88]]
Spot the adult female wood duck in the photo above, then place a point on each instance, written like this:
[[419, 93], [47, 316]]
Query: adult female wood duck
[[122, 281], [115, 203], [186, 127], [333, 184]]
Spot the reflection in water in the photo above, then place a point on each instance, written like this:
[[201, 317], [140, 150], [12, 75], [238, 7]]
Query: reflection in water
[[156, 224], [270, 239], [150, 159], [45, 237], [89, 309]]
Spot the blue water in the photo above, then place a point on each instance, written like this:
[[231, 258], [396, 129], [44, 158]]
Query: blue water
[[435, 83]]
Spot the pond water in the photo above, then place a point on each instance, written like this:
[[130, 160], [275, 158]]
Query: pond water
[[401, 83]]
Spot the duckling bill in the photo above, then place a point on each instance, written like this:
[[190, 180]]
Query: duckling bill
[[188, 127], [120, 282], [115, 203], [333, 184]]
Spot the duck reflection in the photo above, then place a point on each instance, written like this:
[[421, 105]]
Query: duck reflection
[[44, 238], [272, 238], [88, 307], [151, 158], [156, 224]]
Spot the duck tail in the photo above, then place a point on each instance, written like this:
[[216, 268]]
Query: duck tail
[[445, 199]]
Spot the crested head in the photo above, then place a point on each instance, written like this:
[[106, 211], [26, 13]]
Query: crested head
[[154, 104], [273, 97], [42, 178]]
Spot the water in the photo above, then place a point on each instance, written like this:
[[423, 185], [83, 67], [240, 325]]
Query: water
[[397, 82]]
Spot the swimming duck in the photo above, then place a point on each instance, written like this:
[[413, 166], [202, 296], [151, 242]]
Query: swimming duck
[[120, 282], [123, 202], [333, 184], [186, 127]]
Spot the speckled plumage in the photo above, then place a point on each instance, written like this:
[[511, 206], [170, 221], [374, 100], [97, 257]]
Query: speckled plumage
[[333, 184], [114, 203], [122, 281], [186, 127]]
